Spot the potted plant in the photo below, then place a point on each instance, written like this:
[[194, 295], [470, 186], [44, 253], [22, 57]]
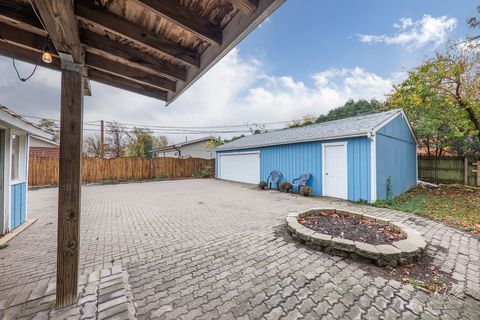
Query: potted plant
[[286, 186], [262, 185], [305, 191]]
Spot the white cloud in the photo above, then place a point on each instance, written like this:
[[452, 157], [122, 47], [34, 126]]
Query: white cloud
[[235, 91], [416, 34]]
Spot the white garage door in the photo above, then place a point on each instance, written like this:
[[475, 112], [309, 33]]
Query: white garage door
[[241, 167]]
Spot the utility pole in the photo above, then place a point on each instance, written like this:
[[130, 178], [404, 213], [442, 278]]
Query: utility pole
[[102, 140]]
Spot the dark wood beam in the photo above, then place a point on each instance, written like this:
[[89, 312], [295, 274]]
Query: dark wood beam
[[118, 25], [29, 56], [69, 193], [36, 42], [59, 19], [248, 7], [21, 16], [121, 83], [234, 32], [185, 18], [100, 63], [127, 55]]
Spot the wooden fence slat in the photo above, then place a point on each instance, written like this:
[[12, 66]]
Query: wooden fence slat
[[45, 170]]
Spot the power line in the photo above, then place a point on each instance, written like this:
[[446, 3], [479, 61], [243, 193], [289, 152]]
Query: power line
[[178, 128]]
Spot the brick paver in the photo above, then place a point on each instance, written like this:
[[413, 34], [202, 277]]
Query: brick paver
[[211, 249]]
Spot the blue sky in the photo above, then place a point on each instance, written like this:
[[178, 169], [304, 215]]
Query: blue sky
[[299, 42], [307, 58]]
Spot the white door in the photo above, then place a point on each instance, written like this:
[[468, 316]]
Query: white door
[[241, 167], [335, 170]]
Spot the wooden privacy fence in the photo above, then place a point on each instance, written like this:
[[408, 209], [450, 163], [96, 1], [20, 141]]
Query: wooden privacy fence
[[460, 170], [44, 170]]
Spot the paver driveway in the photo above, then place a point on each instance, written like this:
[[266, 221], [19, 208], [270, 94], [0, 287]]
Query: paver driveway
[[215, 249]]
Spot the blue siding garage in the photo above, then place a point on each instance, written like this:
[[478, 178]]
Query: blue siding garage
[[396, 158], [384, 137]]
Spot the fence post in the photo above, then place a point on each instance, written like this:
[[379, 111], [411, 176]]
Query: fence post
[[478, 173], [151, 168], [465, 179]]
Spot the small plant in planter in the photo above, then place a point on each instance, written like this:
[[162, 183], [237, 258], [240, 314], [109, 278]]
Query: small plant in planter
[[306, 191], [286, 186], [262, 185]]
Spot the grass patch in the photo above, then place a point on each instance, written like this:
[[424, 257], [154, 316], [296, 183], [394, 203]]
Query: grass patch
[[453, 205], [3, 246]]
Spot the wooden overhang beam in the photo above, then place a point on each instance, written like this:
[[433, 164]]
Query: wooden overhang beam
[[25, 44], [234, 32], [248, 7], [188, 20], [22, 17], [91, 13], [36, 42], [96, 43]]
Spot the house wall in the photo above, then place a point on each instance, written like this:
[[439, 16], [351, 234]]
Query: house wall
[[194, 150], [295, 159], [396, 158], [197, 150]]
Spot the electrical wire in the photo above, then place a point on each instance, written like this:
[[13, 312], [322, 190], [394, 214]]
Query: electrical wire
[[14, 61]]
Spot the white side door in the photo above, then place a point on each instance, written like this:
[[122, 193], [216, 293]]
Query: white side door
[[335, 178]]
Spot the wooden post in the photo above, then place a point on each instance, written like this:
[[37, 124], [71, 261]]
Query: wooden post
[[102, 140], [465, 177], [478, 173], [68, 248]]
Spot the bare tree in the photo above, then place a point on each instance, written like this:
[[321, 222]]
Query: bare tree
[[91, 146], [115, 145]]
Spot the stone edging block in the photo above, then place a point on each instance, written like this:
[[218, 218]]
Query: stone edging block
[[393, 254]]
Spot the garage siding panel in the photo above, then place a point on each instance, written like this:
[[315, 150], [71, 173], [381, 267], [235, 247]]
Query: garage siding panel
[[293, 160], [359, 169], [396, 158]]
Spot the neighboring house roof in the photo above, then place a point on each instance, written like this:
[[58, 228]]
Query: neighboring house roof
[[52, 143], [360, 125], [182, 144], [11, 118]]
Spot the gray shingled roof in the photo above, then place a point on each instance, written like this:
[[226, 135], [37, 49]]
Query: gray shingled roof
[[348, 127]]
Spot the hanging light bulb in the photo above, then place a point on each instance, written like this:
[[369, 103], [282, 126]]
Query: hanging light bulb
[[47, 56], [46, 53]]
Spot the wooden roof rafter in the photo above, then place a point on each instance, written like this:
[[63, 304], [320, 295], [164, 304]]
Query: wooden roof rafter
[[122, 45]]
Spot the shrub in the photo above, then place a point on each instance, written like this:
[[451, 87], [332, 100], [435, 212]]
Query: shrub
[[160, 177], [286, 186], [306, 191], [206, 171], [262, 185]]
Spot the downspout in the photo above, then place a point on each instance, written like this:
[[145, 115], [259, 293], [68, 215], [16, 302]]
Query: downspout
[[179, 151]]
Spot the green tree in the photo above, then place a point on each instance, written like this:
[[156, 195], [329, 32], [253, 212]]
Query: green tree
[[441, 99], [50, 126], [142, 141], [351, 108]]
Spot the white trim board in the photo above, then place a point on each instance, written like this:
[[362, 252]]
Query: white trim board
[[327, 144], [373, 168]]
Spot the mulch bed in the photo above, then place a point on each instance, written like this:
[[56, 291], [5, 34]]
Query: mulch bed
[[351, 228]]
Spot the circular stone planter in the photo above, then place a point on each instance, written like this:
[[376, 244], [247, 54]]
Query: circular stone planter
[[397, 253]]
